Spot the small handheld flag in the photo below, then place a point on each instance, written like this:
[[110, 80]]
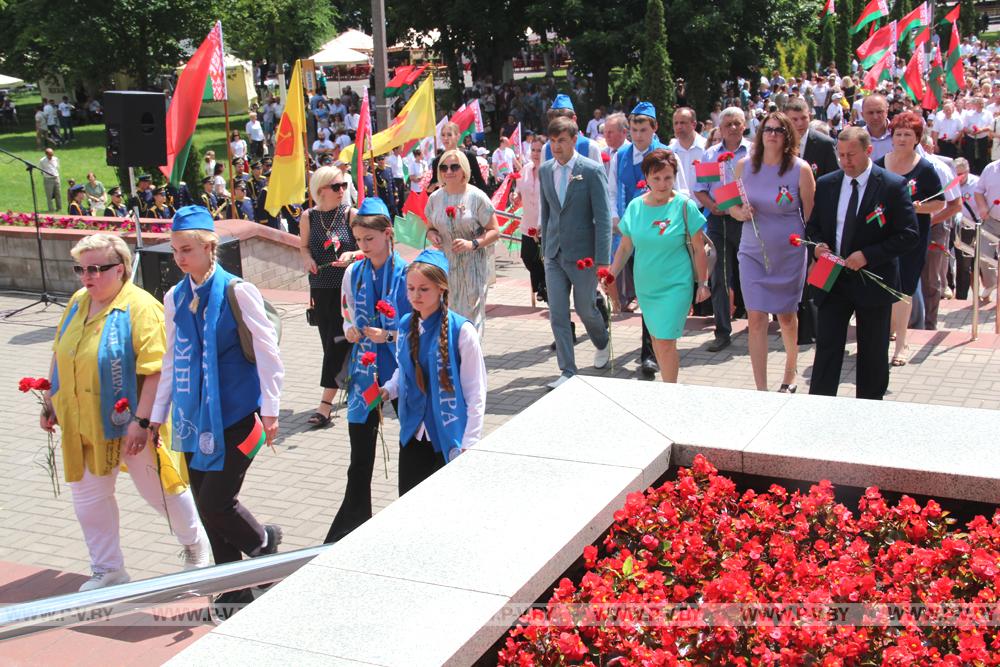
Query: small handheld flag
[[372, 396], [728, 196], [707, 172], [825, 271], [253, 442]]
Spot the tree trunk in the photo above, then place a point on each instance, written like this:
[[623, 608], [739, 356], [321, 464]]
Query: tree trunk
[[601, 79], [546, 51]]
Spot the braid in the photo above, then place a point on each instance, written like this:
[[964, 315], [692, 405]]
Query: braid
[[415, 350], [444, 375]]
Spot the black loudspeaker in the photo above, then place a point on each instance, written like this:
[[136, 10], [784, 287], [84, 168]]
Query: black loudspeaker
[[135, 128], [159, 273]]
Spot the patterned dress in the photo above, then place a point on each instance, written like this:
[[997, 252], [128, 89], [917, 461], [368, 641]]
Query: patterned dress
[[470, 273]]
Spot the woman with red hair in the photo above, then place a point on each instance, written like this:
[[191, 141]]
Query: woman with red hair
[[907, 129]]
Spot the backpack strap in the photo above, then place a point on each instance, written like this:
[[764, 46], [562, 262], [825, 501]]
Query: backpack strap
[[246, 338]]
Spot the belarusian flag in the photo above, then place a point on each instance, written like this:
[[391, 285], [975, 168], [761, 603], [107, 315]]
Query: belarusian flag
[[728, 196], [362, 147], [414, 74], [825, 271], [913, 80], [922, 38], [827, 11], [372, 396], [469, 120], [185, 105], [708, 172], [952, 16], [216, 89], [287, 183], [253, 442], [879, 71], [396, 84], [875, 10], [934, 96], [515, 140], [876, 46], [954, 68], [919, 17]]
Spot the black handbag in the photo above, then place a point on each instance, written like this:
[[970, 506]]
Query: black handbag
[[311, 314]]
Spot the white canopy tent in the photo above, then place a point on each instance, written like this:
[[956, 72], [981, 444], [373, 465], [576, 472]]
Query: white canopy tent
[[336, 54], [354, 39], [10, 82]]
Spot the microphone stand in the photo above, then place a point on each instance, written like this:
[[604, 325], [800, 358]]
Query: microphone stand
[[44, 297]]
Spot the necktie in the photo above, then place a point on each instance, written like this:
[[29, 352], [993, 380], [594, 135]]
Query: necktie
[[850, 216], [563, 180]]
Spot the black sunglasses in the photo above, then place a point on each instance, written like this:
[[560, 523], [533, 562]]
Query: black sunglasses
[[338, 187], [93, 269], [454, 166], [774, 130]]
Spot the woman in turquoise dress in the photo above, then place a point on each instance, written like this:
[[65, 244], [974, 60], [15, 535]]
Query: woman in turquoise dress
[[654, 227]]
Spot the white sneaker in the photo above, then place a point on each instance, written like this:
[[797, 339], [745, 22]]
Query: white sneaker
[[603, 356], [558, 382], [198, 554], [103, 579]]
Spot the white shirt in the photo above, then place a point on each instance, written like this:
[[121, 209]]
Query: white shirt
[[351, 121], [686, 158], [834, 115], [503, 161], [948, 129], [270, 370], [50, 167], [989, 186], [65, 109], [255, 131], [881, 146], [979, 123], [594, 129], [471, 376], [337, 109], [343, 141], [239, 148], [416, 168], [968, 198], [323, 146], [50, 114], [395, 163], [845, 197], [820, 91]]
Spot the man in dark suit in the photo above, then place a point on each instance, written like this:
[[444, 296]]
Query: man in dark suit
[[820, 151], [576, 225], [846, 221]]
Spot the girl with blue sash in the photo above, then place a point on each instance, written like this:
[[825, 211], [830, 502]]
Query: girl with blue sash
[[374, 292], [223, 404], [441, 379], [106, 365]]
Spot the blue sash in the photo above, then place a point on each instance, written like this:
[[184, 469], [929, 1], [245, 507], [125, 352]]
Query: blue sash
[[628, 174]]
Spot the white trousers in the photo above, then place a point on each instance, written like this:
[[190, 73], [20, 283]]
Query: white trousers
[[97, 509]]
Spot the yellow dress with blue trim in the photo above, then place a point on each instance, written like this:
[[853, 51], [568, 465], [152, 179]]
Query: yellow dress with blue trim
[[77, 403]]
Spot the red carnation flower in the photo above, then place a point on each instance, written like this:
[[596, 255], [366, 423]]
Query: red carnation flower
[[515, 175], [533, 232], [641, 185], [368, 358], [581, 265], [996, 202], [795, 239], [41, 384], [450, 211], [25, 385], [385, 308], [605, 276], [696, 162], [588, 262], [726, 156], [121, 405], [605, 158]]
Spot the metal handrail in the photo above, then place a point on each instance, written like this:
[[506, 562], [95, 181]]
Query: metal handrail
[[61, 611]]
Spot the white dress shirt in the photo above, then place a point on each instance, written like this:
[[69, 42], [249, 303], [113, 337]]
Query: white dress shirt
[[686, 158], [845, 197], [50, 167], [270, 370], [254, 130], [680, 180], [979, 123], [593, 129], [969, 211], [471, 376], [395, 163], [988, 185], [948, 129]]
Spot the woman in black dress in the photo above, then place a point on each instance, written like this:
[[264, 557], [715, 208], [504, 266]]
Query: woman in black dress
[[327, 247], [907, 129]]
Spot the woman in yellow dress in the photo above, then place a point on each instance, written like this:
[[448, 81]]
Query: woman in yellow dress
[[108, 350]]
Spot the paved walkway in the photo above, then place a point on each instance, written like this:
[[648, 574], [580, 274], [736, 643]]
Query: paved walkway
[[301, 487]]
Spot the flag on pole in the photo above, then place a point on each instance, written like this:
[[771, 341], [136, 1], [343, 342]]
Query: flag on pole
[[954, 68], [469, 120], [918, 18], [728, 196], [873, 11], [828, 11], [362, 147], [913, 78], [882, 40], [825, 271], [708, 172], [216, 89], [878, 71], [396, 84], [934, 96], [372, 396], [185, 105], [515, 140], [922, 38], [287, 184], [415, 121], [952, 16]]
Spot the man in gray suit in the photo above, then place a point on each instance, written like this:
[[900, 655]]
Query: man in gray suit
[[576, 226]]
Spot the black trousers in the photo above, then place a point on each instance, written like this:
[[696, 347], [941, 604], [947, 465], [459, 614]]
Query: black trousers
[[232, 529], [356, 507], [964, 266], [948, 148], [417, 462], [873, 324], [531, 255], [330, 322]]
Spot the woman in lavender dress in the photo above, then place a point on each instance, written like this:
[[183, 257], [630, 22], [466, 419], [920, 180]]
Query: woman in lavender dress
[[779, 188]]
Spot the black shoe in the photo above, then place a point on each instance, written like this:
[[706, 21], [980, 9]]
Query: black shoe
[[572, 328], [720, 343], [649, 368], [542, 295], [602, 306], [230, 602]]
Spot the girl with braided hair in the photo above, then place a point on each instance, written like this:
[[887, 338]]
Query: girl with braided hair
[[441, 379]]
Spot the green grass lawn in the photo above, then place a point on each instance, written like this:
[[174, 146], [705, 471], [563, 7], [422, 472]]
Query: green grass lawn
[[84, 154]]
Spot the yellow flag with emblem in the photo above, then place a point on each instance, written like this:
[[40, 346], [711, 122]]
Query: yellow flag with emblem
[[415, 121], [287, 183]]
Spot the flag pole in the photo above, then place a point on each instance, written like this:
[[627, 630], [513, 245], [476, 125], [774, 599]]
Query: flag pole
[[229, 154]]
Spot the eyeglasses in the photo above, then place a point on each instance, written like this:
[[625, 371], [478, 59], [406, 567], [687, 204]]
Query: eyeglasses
[[454, 166], [775, 130], [338, 187], [93, 269]]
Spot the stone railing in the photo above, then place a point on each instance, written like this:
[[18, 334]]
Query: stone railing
[[439, 575]]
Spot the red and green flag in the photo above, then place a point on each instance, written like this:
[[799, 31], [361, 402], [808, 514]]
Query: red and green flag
[[873, 11], [913, 80], [875, 47], [879, 71], [918, 18], [396, 84], [362, 146], [185, 105], [824, 271], [952, 16], [922, 38], [934, 96], [253, 442], [469, 120], [828, 11], [708, 172], [372, 396], [728, 196], [954, 68]]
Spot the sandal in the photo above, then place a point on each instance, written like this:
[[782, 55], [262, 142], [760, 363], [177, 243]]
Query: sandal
[[902, 358], [318, 419], [788, 389]]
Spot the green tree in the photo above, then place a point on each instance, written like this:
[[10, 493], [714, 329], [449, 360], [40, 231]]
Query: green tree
[[279, 31], [812, 56], [967, 18], [843, 49], [657, 85], [826, 43]]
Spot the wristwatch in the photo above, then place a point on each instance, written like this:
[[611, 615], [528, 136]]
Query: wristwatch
[[475, 244], [141, 421], [390, 336], [703, 283]]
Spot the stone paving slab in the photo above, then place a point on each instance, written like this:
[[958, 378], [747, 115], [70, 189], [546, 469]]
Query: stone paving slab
[[301, 486]]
